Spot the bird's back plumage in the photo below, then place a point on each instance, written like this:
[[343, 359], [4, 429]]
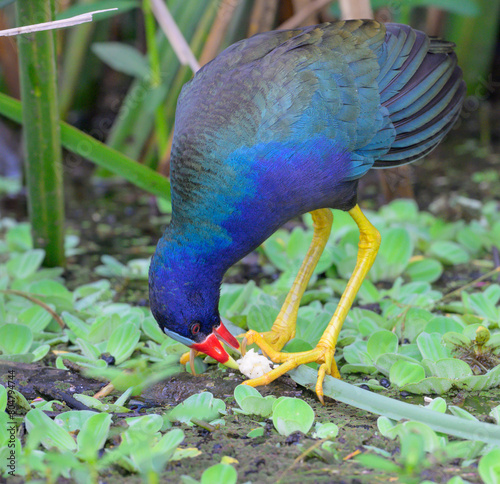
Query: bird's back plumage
[[287, 121]]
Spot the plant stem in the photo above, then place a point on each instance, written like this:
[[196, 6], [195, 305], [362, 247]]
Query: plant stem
[[84, 145], [132, 127], [35, 300], [396, 410], [77, 48], [154, 64], [42, 136]]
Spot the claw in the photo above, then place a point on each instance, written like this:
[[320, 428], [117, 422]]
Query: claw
[[192, 356], [243, 346], [319, 383]]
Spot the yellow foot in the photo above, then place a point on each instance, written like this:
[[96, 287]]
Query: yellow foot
[[273, 339], [323, 355]]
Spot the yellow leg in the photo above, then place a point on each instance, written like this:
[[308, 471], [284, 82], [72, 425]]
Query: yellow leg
[[283, 329], [369, 242]]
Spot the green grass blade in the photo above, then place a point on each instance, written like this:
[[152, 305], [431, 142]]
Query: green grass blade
[[101, 155], [136, 118], [185, 73], [42, 136], [396, 410], [75, 52]]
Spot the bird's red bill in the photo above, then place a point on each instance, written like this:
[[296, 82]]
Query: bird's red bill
[[223, 334], [212, 347]]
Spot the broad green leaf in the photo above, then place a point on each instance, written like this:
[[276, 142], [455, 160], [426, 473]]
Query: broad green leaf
[[431, 346], [368, 293], [385, 426], [480, 382], [292, 415], [123, 342], [410, 350], [455, 341], [427, 270], [35, 317], [74, 419], [404, 372], [489, 467], [298, 243], [88, 349], [469, 238], [367, 327], [466, 449], [185, 453], [15, 339], [449, 252], [386, 361], [93, 436], [402, 210], [4, 429], [413, 322], [462, 413], [258, 432], [149, 424], [92, 402], [103, 327], [493, 293], [482, 306], [26, 264], [219, 473], [431, 442], [328, 430], [412, 450], [372, 461], [357, 368], [356, 353], [52, 434], [40, 352], [451, 368], [234, 298], [19, 238], [382, 342], [152, 330], [202, 406], [495, 413], [79, 327], [429, 385], [200, 366], [122, 58], [261, 318], [442, 325], [394, 254], [438, 405]]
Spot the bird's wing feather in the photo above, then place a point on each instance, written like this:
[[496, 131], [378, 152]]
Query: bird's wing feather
[[297, 84], [421, 86]]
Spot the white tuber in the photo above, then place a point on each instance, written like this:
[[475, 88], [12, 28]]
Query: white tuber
[[253, 365]]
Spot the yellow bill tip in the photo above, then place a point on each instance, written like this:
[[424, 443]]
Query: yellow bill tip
[[231, 363]]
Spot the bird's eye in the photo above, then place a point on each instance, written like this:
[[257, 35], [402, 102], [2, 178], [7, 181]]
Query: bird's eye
[[195, 328]]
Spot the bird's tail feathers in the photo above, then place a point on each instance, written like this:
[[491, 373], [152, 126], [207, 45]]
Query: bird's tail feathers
[[423, 91]]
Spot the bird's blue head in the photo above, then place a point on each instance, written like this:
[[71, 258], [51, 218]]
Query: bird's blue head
[[184, 297]]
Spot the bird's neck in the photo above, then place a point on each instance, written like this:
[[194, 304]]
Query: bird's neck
[[224, 209], [191, 248]]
